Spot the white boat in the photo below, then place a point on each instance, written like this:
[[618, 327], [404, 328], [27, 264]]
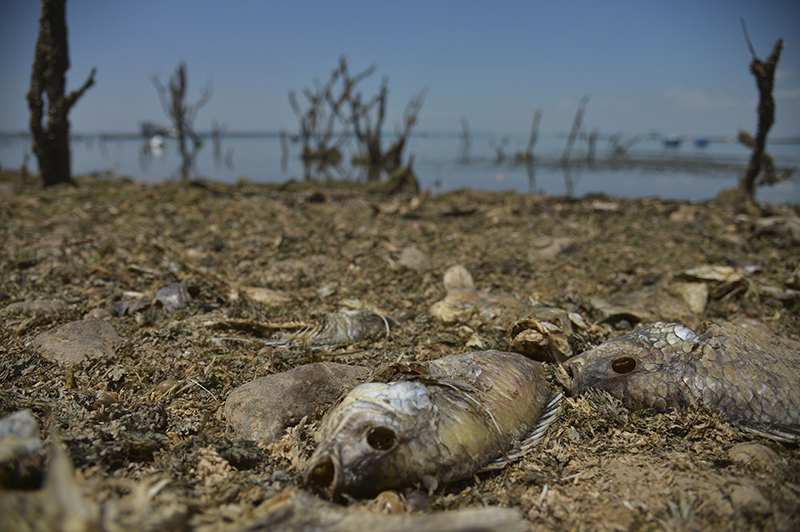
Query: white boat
[[156, 142]]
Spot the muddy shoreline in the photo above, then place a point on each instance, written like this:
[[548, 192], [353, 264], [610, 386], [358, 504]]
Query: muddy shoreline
[[601, 466]]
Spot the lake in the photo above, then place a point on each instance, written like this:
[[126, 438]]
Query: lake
[[650, 169]]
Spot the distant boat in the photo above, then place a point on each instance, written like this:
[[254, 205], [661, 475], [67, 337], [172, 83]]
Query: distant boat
[[672, 142], [156, 142], [701, 142]]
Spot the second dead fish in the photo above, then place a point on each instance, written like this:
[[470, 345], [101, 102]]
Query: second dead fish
[[443, 422], [750, 377]]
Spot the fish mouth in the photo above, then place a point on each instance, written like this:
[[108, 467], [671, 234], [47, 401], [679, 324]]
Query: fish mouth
[[323, 472], [574, 367], [575, 364]]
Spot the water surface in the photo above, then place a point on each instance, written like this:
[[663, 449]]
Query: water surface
[[650, 169]]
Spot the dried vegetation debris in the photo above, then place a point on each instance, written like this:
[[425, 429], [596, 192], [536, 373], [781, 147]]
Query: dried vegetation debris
[[139, 425]]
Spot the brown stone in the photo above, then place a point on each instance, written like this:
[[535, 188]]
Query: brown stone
[[262, 409], [75, 342]]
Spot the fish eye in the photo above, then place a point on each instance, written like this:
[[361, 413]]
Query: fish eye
[[381, 438], [623, 365]]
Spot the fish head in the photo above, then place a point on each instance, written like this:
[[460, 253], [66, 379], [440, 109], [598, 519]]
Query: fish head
[[370, 442], [633, 367]]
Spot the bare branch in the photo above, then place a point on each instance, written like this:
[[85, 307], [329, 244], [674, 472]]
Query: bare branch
[[575, 128], [747, 38], [76, 94]]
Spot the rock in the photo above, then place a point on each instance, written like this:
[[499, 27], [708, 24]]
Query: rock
[[464, 304], [287, 271], [547, 248], [293, 509], [652, 303], [265, 296], [695, 295], [19, 435], [414, 259], [39, 306], [99, 313], [747, 498], [262, 409], [173, 296], [747, 452], [126, 303], [75, 342]]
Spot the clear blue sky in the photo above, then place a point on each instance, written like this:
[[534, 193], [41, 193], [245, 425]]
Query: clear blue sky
[[680, 67]]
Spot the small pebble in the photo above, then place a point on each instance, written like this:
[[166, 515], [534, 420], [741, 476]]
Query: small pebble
[[414, 259]]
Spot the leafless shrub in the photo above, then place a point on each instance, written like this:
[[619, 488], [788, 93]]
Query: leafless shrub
[[319, 119], [182, 115]]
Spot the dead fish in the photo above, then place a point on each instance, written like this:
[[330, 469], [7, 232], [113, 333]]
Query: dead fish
[[343, 327], [543, 333], [442, 422], [546, 333], [753, 381]]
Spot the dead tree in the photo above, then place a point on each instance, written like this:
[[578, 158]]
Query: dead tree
[[284, 136], [500, 148], [466, 140], [182, 115], [50, 64], [576, 126], [527, 155], [764, 72], [392, 159], [217, 130], [325, 108], [591, 140], [367, 132], [618, 149]]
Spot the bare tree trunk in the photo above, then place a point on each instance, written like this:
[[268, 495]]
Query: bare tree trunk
[[527, 156], [764, 71], [537, 118], [466, 139], [50, 64], [576, 126], [284, 151], [500, 147], [216, 136], [591, 140]]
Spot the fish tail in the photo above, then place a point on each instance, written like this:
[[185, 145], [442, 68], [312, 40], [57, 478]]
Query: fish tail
[[526, 446]]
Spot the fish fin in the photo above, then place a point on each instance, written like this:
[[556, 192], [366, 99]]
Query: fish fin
[[301, 337], [773, 434], [527, 445], [446, 382], [399, 371]]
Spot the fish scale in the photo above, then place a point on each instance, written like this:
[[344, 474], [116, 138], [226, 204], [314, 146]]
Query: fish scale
[[751, 379]]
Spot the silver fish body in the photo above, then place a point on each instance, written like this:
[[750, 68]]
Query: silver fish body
[[451, 420], [753, 381]]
